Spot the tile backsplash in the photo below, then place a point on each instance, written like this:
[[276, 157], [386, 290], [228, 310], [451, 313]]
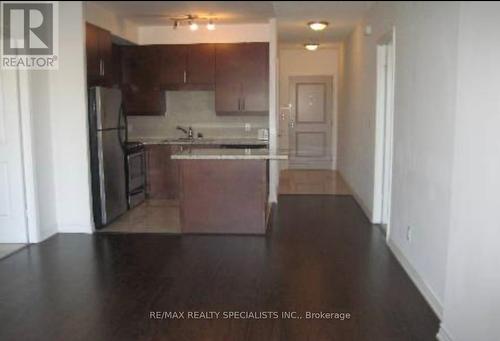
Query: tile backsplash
[[197, 110]]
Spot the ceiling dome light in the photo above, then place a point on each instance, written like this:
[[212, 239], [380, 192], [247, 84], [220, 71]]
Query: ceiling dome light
[[311, 46], [210, 25], [317, 25], [193, 26]]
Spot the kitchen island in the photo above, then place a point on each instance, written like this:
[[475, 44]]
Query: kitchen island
[[224, 191]]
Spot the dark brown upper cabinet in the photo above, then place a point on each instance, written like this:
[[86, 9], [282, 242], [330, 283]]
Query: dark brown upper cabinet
[[187, 67], [200, 68], [173, 65], [143, 100], [140, 65], [116, 58], [242, 79], [140, 78], [99, 56]]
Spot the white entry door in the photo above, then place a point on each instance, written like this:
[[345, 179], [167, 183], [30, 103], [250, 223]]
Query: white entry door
[[310, 126], [13, 222]]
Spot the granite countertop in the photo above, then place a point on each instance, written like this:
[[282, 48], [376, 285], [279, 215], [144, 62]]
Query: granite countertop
[[228, 154], [200, 141]]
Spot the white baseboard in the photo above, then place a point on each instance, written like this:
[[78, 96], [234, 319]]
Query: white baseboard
[[364, 208], [421, 285], [443, 334], [44, 236], [75, 229]]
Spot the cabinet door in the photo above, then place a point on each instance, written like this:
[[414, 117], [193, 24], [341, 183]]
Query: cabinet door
[[116, 65], [171, 173], [140, 65], [200, 67], [228, 78], [173, 65], [105, 54], [155, 180], [162, 172], [142, 94], [99, 55], [143, 100], [92, 49], [255, 86]]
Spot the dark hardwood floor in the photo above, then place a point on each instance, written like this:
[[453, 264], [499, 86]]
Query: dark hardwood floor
[[322, 255]]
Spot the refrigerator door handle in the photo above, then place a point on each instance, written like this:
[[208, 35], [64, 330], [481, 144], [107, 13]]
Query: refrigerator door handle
[[121, 116]]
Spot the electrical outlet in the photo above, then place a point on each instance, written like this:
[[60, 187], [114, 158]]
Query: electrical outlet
[[408, 234], [248, 127]]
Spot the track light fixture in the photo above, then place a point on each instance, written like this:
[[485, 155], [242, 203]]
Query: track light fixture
[[192, 21], [210, 25], [193, 26]]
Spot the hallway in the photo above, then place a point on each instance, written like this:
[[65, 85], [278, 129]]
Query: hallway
[[295, 181], [322, 255]]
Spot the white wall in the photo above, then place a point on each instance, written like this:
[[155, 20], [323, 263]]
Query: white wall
[[108, 20], [299, 62], [274, 175], [472, 300], [39, 82], [356, 148], [69, 130], [222, 34], [426, 48], [59, 137]]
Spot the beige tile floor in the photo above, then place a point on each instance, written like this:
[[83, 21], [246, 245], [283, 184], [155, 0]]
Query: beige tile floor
[[153, 216], [7, 249], [312, 182]]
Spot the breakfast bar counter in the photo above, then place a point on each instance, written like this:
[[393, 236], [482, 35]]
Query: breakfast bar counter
[[224, 191], [228, 154]]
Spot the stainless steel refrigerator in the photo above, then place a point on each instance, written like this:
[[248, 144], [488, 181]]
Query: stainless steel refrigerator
[[108, 135]]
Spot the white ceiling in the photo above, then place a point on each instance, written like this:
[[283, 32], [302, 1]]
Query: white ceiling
[[292, 16]]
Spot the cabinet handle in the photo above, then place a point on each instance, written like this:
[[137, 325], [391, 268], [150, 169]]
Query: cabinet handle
[[243, 104], [185, 76], [146, 173], [101, 73], [239, 104], [103, 66]]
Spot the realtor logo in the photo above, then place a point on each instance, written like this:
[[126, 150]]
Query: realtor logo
[[29, 35]]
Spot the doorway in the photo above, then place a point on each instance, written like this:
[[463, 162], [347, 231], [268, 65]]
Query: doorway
[[310, 122], [384, 129]]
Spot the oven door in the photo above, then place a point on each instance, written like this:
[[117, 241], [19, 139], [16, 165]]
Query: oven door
[[136, 197], [136, 162]]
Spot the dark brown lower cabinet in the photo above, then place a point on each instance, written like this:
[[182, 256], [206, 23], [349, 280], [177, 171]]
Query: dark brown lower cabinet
[[223, 196], [162, 172]]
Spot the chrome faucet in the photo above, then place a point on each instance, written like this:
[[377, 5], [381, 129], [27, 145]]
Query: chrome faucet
[[188, 131]]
